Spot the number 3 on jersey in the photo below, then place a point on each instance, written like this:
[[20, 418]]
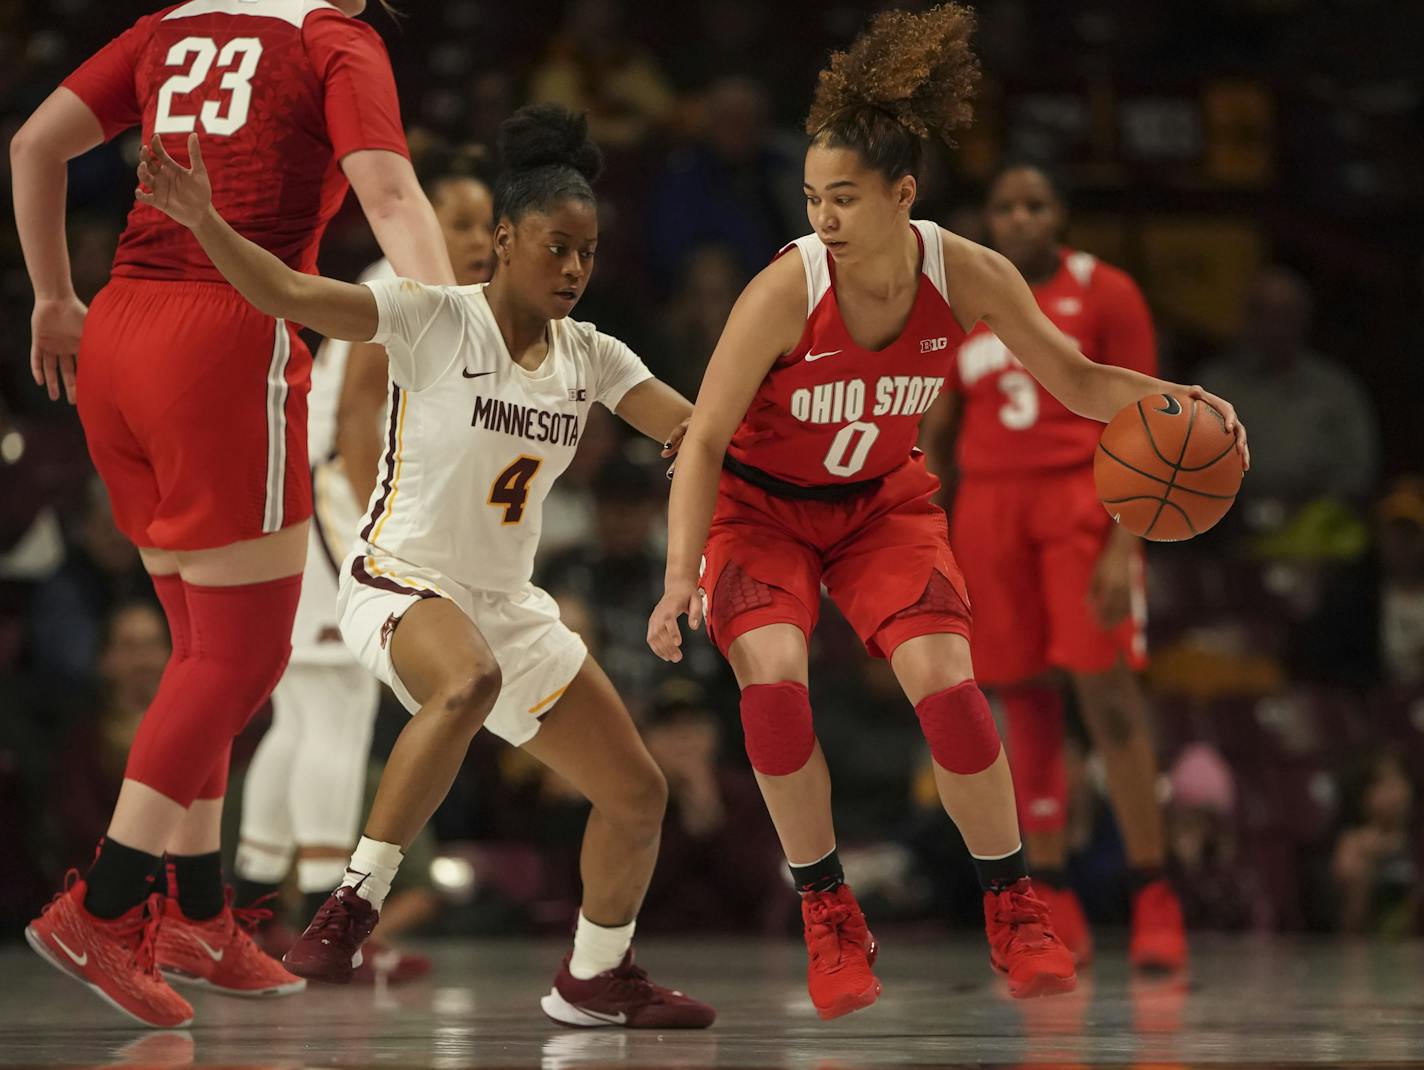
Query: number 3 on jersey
[[511, 487], [240, 55]]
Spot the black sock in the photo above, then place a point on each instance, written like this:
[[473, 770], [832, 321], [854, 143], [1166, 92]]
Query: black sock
[[1139, 877], [200, 885], [997, 874], [824, 875], [311, 903], [246, 892], [1055, 878], [120, 879]]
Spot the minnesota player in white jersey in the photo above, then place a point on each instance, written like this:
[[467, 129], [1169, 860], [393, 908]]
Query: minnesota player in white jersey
[[490, 390], [304, 786]]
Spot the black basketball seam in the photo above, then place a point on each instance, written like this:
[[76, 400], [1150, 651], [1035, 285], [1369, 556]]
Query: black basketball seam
[[1159, 479], [1161, 502], [1176, 468], [1150, 440], [1219, 456]]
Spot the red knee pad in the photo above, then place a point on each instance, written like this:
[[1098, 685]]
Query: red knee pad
[[776, 725], [1035, 728], [959, 729], [241, 638]]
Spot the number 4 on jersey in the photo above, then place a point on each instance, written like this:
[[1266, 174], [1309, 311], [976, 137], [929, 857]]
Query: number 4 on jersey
[[511, 487]]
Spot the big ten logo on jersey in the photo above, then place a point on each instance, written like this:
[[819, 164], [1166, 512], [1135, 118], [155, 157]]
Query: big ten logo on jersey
[[846, 399], [933, 345]]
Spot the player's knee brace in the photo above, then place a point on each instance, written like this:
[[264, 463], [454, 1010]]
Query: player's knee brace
[[776, 724], [1035, 729], [959, 728]]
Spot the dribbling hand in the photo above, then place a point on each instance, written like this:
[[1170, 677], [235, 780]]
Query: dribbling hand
[[182, 193], [664, 635], [1234, 426]]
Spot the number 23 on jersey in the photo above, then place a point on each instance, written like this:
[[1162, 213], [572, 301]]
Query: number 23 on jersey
[[237, 60]]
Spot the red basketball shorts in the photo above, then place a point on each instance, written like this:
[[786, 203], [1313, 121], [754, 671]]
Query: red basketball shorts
[[1029, 544], [883, 556], [194, 406]]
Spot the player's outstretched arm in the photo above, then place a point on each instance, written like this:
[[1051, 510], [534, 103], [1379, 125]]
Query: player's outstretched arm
[[766, 321], [990, 288], [658, 411], [335, 309], [60, 129]]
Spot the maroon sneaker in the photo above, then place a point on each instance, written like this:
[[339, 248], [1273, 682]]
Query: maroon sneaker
[[622, 996], [330, 948]]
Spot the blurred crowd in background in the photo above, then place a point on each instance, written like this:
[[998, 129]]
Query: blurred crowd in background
[[1257, 165]]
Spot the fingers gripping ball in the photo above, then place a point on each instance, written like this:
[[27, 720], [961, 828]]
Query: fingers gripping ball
[[776, 726], [1166, 468]]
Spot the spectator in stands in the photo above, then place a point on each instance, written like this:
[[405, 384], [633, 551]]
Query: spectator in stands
[[719, 867], [736, 184], [1376, 866], [67, 615], [1312, 423], [594, 65], [1216, 888], [133, 649], [693, 319]]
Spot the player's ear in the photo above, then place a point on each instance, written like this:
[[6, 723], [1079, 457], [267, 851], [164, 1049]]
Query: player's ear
[[905, 192], [503, 240]]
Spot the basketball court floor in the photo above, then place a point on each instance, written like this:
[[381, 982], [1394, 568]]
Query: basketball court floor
[[1246, 1003]]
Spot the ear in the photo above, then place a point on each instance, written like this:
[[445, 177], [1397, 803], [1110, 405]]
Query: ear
[[503, 240], [906, 192]]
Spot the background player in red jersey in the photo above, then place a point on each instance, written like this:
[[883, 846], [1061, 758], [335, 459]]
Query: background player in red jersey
[[1056, 584], [194, 409], [799, 468]]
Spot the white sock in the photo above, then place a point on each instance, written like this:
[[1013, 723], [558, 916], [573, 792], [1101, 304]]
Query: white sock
[[372, 867], [260, 865], [598, 949], [319, 874]]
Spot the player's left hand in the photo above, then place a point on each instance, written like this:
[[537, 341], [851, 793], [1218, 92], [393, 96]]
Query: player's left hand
[[182, 193], [55, 327], [674, 441], [1234, 426], [1110, 591], [664, 635]]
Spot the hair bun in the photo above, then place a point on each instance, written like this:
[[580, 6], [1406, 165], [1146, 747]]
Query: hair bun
[[541, 135]]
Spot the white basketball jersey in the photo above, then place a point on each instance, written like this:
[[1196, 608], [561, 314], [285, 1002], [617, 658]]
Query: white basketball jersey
[[474, 441], [328, 375]]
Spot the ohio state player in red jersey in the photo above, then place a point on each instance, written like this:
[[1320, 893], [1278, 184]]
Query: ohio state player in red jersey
[[194, 408], [798, 468], [1056, 584]]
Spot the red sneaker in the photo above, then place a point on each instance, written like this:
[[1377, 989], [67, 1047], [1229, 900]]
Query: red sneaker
[[622, 996], [1159, 935], [1023, 945], [841, 952], [114, 958], [1069, 922], [330, 948], [390, 965], [220, 953]]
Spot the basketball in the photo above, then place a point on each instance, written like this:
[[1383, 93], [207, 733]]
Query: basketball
[[1166, 468]]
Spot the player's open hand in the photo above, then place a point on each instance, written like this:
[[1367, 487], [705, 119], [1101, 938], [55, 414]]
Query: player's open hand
[[182, 193], [1234, 426], [55, 327], [664, 635]]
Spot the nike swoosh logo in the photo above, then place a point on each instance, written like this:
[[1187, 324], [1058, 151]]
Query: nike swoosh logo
[[817, 356], [615, 1019], [473, 375], [79, 960], [216, 956], [1173, 408]]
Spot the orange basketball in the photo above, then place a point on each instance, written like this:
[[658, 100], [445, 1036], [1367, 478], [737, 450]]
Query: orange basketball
[[1166, 468]]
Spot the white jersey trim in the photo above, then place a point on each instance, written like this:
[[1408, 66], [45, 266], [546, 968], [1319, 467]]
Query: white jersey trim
[[277, 429], [818, 272], [933, 253], [290, 11]]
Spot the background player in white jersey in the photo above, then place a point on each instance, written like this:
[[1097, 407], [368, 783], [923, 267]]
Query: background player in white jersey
[[490, 390], [304, 787]]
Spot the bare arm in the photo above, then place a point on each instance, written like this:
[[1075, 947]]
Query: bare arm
[[358, 416], [658, 411], [400, 215], [766, 321], [990, 288], [335, 309], [60, 129]]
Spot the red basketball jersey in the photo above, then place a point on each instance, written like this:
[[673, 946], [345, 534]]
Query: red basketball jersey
[[831, 412], [278, 91], [1010, 423]]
